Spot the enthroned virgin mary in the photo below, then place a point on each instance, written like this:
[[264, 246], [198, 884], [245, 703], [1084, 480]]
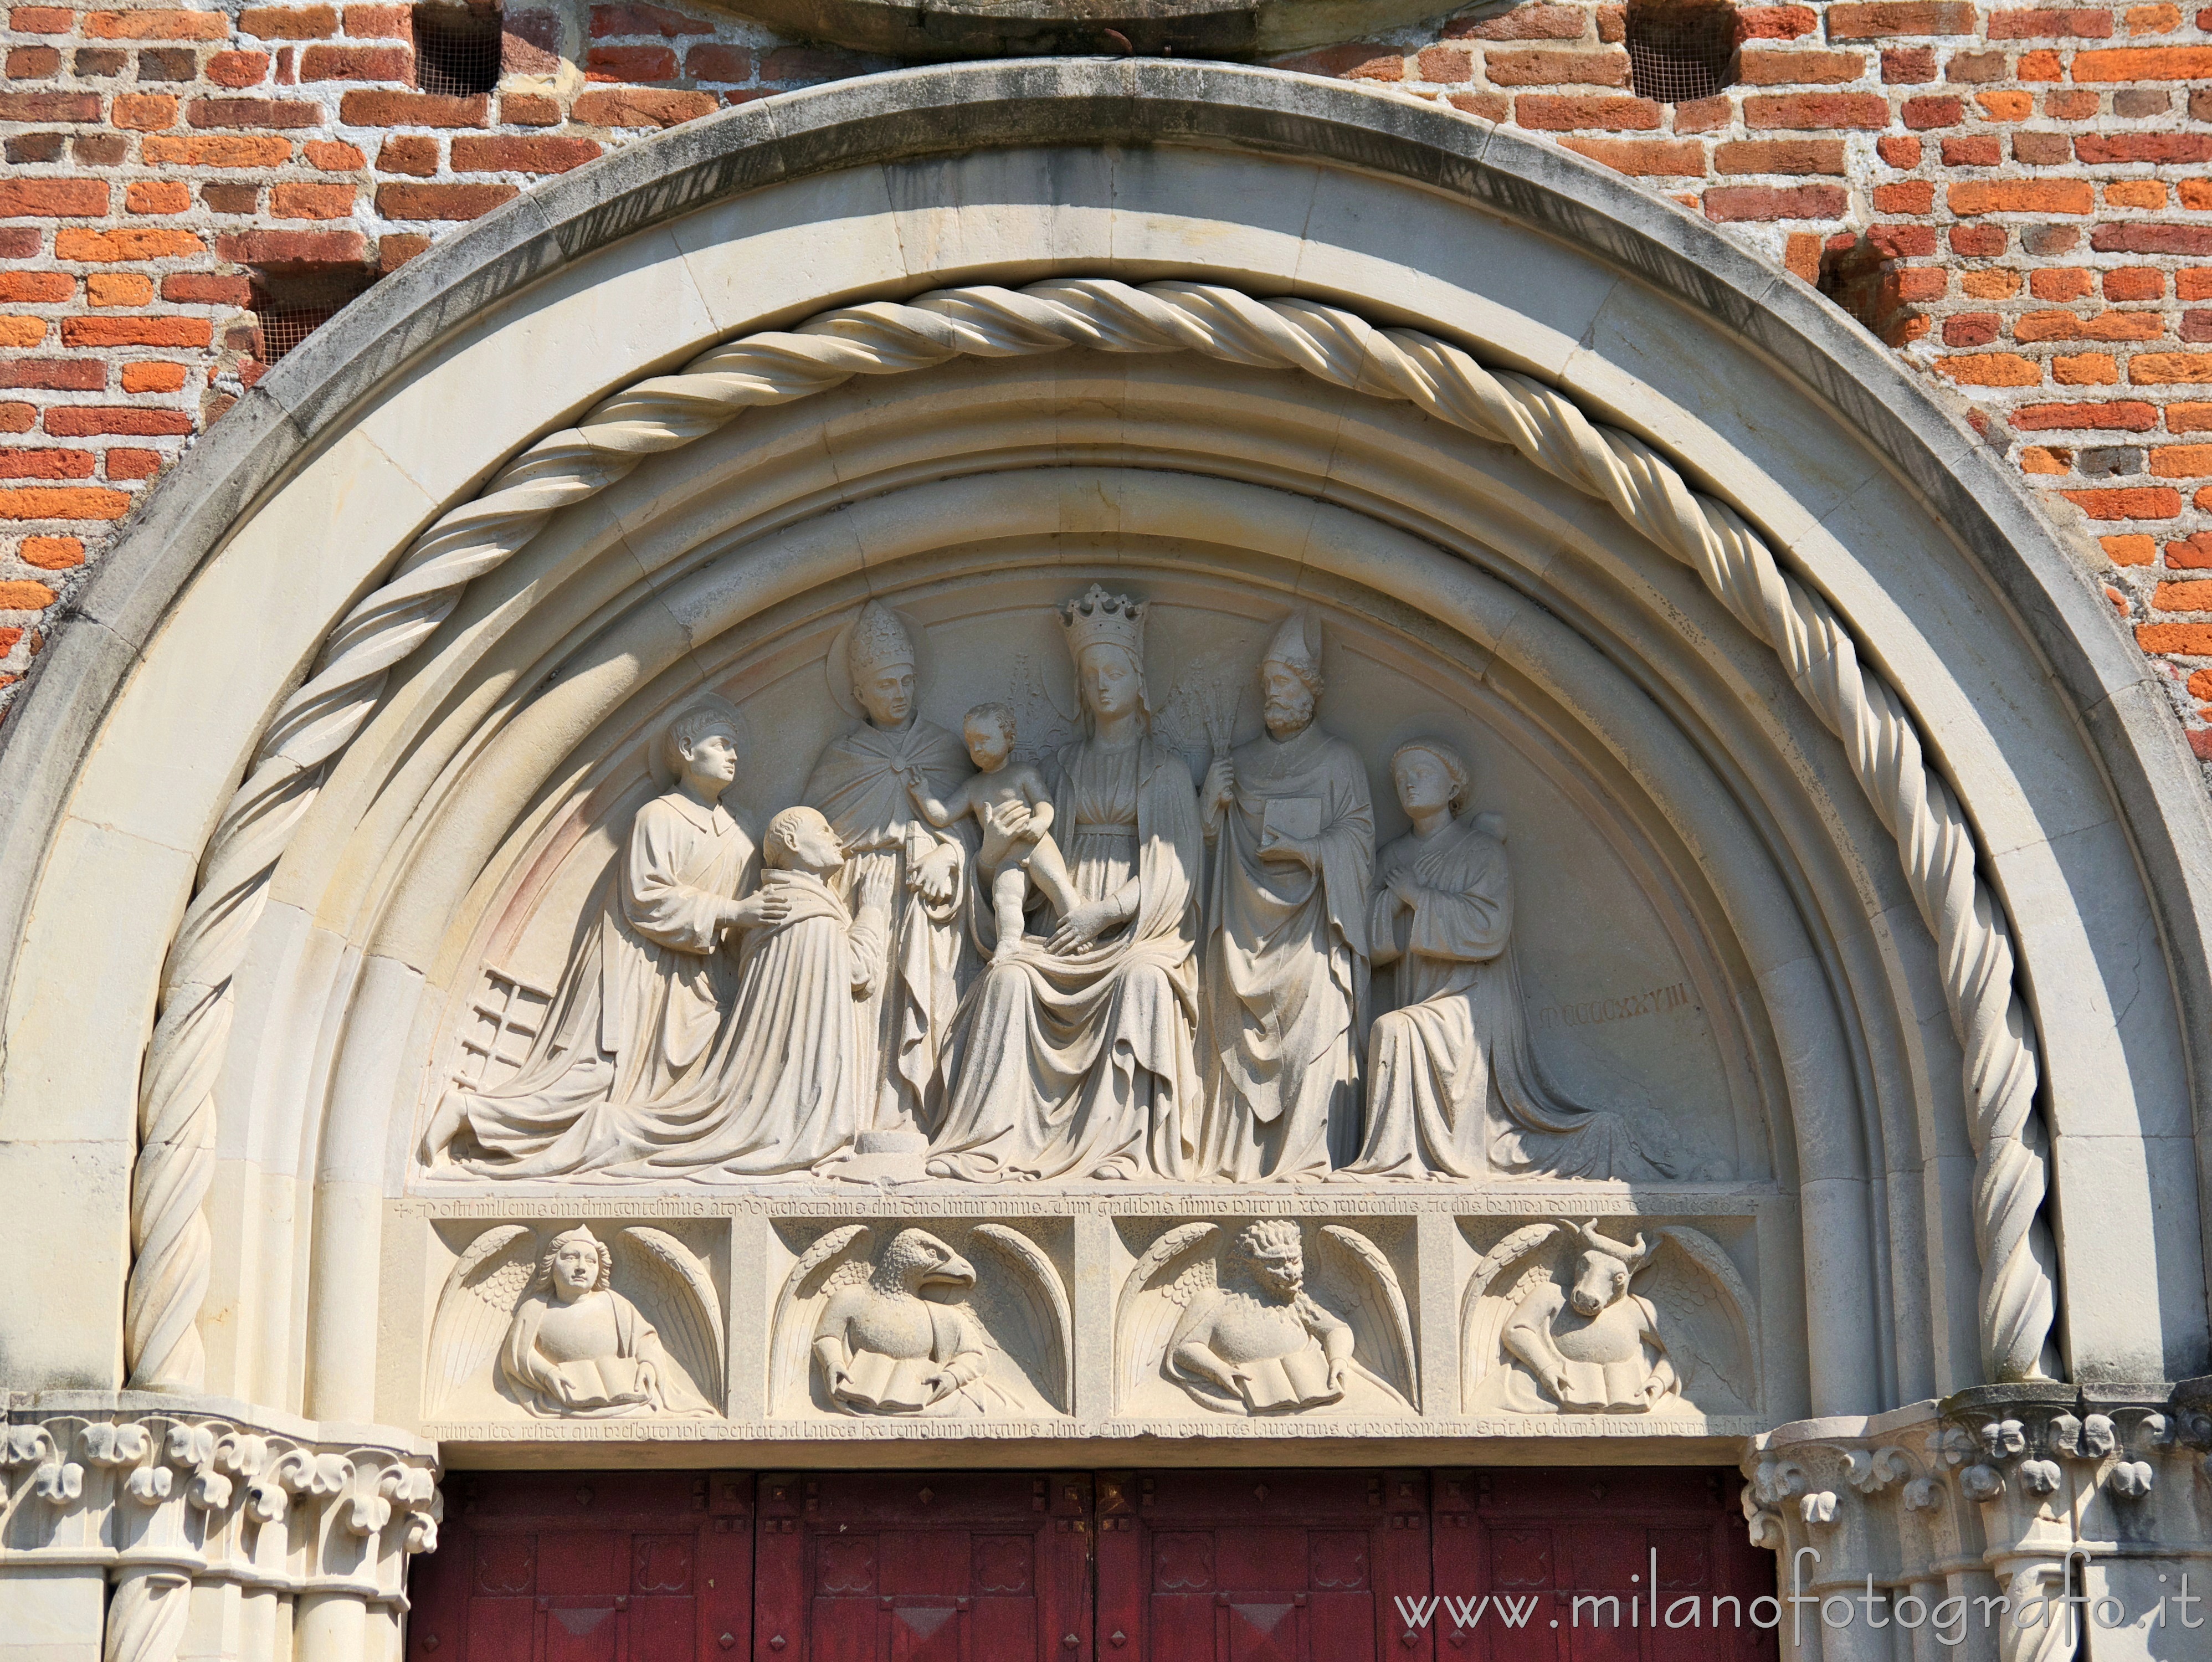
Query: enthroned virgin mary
[[1074, 1058]]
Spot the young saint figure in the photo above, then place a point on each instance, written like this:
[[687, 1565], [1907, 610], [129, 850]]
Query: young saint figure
[[578, 1349], [1011, 806]]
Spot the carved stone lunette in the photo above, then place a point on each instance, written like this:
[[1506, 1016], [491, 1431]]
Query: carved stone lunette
[[168, 1498], [2090, 1507]]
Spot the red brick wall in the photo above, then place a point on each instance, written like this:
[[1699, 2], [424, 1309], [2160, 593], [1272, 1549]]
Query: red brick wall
[[2019, 200]]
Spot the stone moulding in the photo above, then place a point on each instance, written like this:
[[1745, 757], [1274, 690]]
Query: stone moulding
[[164, 1495], [1935, 840]]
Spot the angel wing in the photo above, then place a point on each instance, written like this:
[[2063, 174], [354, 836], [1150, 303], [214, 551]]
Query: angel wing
[[1044, 726], [1490, 1302], [669, 1282], [1380, 1311], [1704, 1316], [1030, 1299], [833, 1255], [1141, 1333], [475, 1307]]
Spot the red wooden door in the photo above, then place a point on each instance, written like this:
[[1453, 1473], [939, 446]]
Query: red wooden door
[[587, 1567], [1557, 1565], [1260, 1566], [923, 1566]]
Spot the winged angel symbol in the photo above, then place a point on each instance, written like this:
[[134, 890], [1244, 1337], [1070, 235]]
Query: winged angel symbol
[[1235, 1324], [915, 1329], [549, 1329], [1562, 1319]]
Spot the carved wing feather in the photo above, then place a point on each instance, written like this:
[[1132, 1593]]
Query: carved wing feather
[[474, 1308], [1145, 1313], [1383, 1296], [1489, 1303], [1039, 1285], [678, 1294], [1703, 1313], [793, 1323]]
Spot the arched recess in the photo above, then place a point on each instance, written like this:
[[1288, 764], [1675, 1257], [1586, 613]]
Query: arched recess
[[1653, 703]]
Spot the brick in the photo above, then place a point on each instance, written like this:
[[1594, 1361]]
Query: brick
[[153, 377], [2181, 461], [395, 251], [1645, 158], [120, 288], [156, 25], [2050, 240], [35, 287], [2193, 283], [41, 20], [17, 417], [132, 464], [334, 155], [2194, 553], [18, 332], [529, 110], [380, 22], [51, 553], [2192, 639], [84, 420], [1988, 285], [145, 112], [529, 42], [411, 154], [2021, 196], [1975, 69], [1549, 22], [293, 199], [52, 198], [1902, 241], [2135, 193], [1979, 150], [2134, 283], [1906, 66], [49, 107], [630, 64], [1557, 68], [609, 22], [97, 149], [2041, 149], [1444, 63], [1806, 111], [253, 112], [129, 242], [32, 63], [2183, 596], [441, 201], [1773, 67], [2081, 23], [1703, 115], [641, 107], [522, 155], [721, 63], [237, 69], [98, 61], [2197, 327], [232, 199], [280, 250], [1970, 329], [350, 61], [1910, 196], [2143, 63], [1357, 61], [2060, 282], [1977, 242], [1897, 151], [25, 595], [1549, 113], [2137, 502], [1487, 106], [402, 109], [2005, 106], [137, 331], [1801, 255], [46, 462], [2105, 325], [23, 150], [2086, 370], [2137, 102], [1873, 22], [204, 289], [54, 374], [1991, 370], [813, 64], [217, 150], [2166, 369], [1779, 155], [63, 502], [289, 22], [2129, 549], [168, 63], [2196, 194], [2152, 238], [1921, 113]]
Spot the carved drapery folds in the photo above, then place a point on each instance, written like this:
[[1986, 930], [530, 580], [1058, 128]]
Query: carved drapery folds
[[166, 1498], [2025, 1523]]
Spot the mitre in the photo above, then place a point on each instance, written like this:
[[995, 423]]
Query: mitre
[[879, 642], [1297, 646]]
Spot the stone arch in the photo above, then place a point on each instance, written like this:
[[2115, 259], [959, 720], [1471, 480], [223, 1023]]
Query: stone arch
[[2032, 708]]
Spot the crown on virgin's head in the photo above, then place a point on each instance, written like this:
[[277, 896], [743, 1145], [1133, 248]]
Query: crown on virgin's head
[[1114, 619]]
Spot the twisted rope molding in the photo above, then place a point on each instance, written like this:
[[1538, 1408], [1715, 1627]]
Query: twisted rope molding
[[1935, 845]]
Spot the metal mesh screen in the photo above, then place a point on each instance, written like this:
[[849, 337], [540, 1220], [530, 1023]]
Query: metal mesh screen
[[1679, 52], [283, 327], [456, 49]]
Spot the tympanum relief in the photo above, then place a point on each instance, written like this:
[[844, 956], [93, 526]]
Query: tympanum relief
[[1224, 1315], [897, 1323], [570, 1327], [1566, 1318], [1152, 953]]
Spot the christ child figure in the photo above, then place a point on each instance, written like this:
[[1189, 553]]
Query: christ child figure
[[1012, 806]]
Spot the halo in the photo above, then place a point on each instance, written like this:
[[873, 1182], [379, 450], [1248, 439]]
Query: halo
[[837, 672], [656, 759]]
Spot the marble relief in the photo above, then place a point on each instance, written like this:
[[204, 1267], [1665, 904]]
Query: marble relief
[[961, 959]]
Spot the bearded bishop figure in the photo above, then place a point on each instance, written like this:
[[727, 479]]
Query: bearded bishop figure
[[1285, 975], [859, 784]]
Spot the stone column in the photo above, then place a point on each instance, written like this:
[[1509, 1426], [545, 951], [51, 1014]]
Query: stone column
[[2036, 1523]]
